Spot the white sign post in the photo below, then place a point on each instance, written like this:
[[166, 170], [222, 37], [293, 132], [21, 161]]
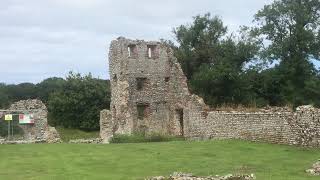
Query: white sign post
[[8, 118]]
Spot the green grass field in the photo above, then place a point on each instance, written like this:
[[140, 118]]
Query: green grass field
[[67, 134], [137, 161]]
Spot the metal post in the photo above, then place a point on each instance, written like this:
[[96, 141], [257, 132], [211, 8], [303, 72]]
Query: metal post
[[8, 130], [12, 124]]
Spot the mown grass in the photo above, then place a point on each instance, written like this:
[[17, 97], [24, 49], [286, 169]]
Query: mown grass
[[67, 134], [137, 161]]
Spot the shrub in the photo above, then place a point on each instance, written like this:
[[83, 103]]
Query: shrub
[[78, 103]]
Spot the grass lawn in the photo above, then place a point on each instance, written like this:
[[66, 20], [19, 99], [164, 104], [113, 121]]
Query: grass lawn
[[136, 161], [67, 134]]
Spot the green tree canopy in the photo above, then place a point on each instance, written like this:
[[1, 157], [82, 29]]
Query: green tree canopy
[[79, 102], [291, 31], [49, 86], [199, 42], [213, 60]]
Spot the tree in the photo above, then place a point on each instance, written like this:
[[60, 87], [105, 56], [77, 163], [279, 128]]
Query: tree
[[313, 90], [74, 102], [78, 103], [223, 82], [291, 30], [4, 99], [198, 42], [49, 86], [21, 91], [214, 62]]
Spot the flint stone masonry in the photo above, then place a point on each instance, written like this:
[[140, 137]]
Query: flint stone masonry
[[315, 170], [86, 141], [147, 93], [150, 95], [23, 142], [188, 176], [301, 127], [40, 131]]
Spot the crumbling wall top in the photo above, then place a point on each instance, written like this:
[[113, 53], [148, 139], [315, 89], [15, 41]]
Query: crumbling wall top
[[30, 104]]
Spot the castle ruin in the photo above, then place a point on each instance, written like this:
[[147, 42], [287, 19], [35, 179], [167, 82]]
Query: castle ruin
[[148, 89], [149, 94], [39, 130]]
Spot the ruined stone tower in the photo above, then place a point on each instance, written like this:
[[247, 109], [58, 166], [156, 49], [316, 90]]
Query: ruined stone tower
[[148, 89], [149, 94]]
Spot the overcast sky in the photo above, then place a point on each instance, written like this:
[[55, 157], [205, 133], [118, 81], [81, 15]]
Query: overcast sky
[[45, 38]]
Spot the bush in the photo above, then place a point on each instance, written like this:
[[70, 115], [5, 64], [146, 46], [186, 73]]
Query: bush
[[78, 103], [141, 138]]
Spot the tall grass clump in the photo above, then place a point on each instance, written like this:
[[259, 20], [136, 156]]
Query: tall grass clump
[[142, 138]]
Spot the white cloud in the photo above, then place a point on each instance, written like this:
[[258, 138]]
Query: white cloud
[[40, 39]]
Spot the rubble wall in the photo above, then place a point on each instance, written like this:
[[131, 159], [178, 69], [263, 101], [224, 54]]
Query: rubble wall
[[40, 130], [106, 125], [301, 127]]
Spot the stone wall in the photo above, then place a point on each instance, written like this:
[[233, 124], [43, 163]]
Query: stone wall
[[106, 125], [301, 127], [40, 130], [305, 126], [149, 93]]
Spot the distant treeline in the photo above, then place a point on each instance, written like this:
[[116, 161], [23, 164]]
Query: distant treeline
[[73, 102]]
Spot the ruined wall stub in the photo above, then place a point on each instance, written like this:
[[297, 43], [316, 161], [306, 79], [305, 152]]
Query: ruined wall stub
[[148, 89], [39, 131]]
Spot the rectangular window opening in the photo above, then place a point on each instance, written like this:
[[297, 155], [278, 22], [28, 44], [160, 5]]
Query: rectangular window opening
[[142, 83], [152, 51], [129, 51], [115, 78], [149, 53], [132, 51], [142, 110], [167, 79]]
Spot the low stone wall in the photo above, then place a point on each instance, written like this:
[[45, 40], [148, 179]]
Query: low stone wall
[[22, 142], [315, 169], [188, 176], [301, 127], [86, 141]]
